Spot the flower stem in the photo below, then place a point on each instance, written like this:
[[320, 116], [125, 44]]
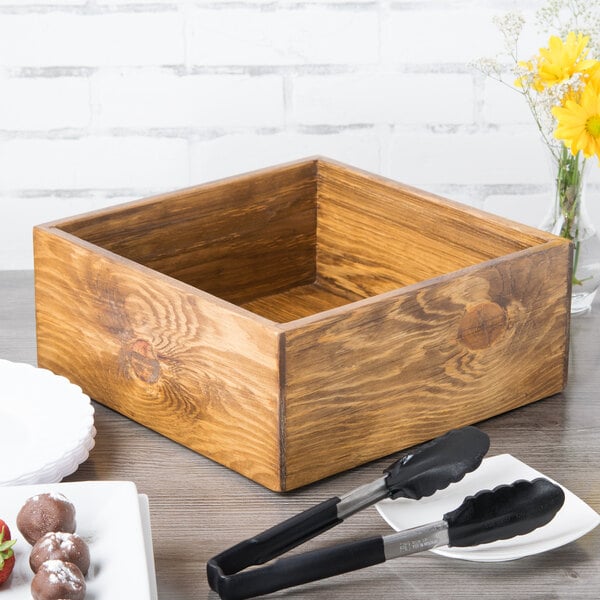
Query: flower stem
[[569, 180]]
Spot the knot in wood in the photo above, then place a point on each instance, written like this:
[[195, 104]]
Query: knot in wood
[[143, 361], [482, 325]]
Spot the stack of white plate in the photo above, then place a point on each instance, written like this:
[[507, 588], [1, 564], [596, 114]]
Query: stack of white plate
[[46, 425]]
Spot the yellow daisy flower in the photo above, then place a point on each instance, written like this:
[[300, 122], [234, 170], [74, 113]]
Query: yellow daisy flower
[[594, 79], [579, 122], [561, 60]]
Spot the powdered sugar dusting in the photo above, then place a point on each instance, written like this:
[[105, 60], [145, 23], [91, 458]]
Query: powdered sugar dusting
[[57, 540], [61, 572]]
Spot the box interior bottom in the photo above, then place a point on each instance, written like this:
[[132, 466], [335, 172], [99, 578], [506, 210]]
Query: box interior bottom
[[299, 301]]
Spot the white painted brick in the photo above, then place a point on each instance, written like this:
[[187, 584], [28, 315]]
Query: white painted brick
[[384, 98], [458, 158], [503, 105], [44, 103], [238, 36], [448, 34], [593, 172], [235, 101], [53, 3], [16, 250], [438, 36], [126, 98], [529, 209], [98, 163], [343, 4], [68, 39], [120, 3], [233, 154], [593, 206], [340, 2]]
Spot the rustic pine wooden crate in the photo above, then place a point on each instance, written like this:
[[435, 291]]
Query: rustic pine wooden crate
[[298, 321]]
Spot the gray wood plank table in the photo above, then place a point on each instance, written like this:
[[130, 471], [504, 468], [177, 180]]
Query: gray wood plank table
[[199, 508]]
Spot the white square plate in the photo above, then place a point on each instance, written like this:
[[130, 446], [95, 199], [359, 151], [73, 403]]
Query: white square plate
[[109, 519], [573, 520]]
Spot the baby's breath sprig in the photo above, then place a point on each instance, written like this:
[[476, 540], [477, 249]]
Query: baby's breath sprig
[[562, 16]]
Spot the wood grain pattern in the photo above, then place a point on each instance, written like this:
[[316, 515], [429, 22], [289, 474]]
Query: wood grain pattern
[[395, 372], [198, 508], [374, 235], [238, 239], [190, 368], [303, 319], [299, 302]]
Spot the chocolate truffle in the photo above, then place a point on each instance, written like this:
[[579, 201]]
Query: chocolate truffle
[[58, 545], [43, 513], [58, 580]]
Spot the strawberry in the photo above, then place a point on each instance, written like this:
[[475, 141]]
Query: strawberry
[[7, 556]]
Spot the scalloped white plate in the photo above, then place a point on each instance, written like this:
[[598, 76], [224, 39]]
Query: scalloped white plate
[[115, 522], [573, 520], [47, 423]]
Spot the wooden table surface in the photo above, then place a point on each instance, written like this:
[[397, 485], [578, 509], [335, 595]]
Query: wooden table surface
[[199, 508]]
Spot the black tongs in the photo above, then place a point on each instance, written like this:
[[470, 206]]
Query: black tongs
[[503, 513]]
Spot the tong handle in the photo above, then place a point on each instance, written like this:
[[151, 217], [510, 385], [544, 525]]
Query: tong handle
[[431, 467], [504, 512], [437, 464], [302, 568], [274, 541]]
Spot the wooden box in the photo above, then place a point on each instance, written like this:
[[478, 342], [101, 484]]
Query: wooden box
[[301, 320]]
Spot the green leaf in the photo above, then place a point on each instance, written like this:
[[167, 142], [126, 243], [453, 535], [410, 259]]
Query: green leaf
[[6, 547]]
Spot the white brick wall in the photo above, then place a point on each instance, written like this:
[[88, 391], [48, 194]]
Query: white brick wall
[[384, 97], [71, 38], [103, 101], [43, 104], [305, 35]]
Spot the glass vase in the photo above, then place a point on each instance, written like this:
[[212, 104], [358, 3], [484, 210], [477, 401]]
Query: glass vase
[[569, 218]]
